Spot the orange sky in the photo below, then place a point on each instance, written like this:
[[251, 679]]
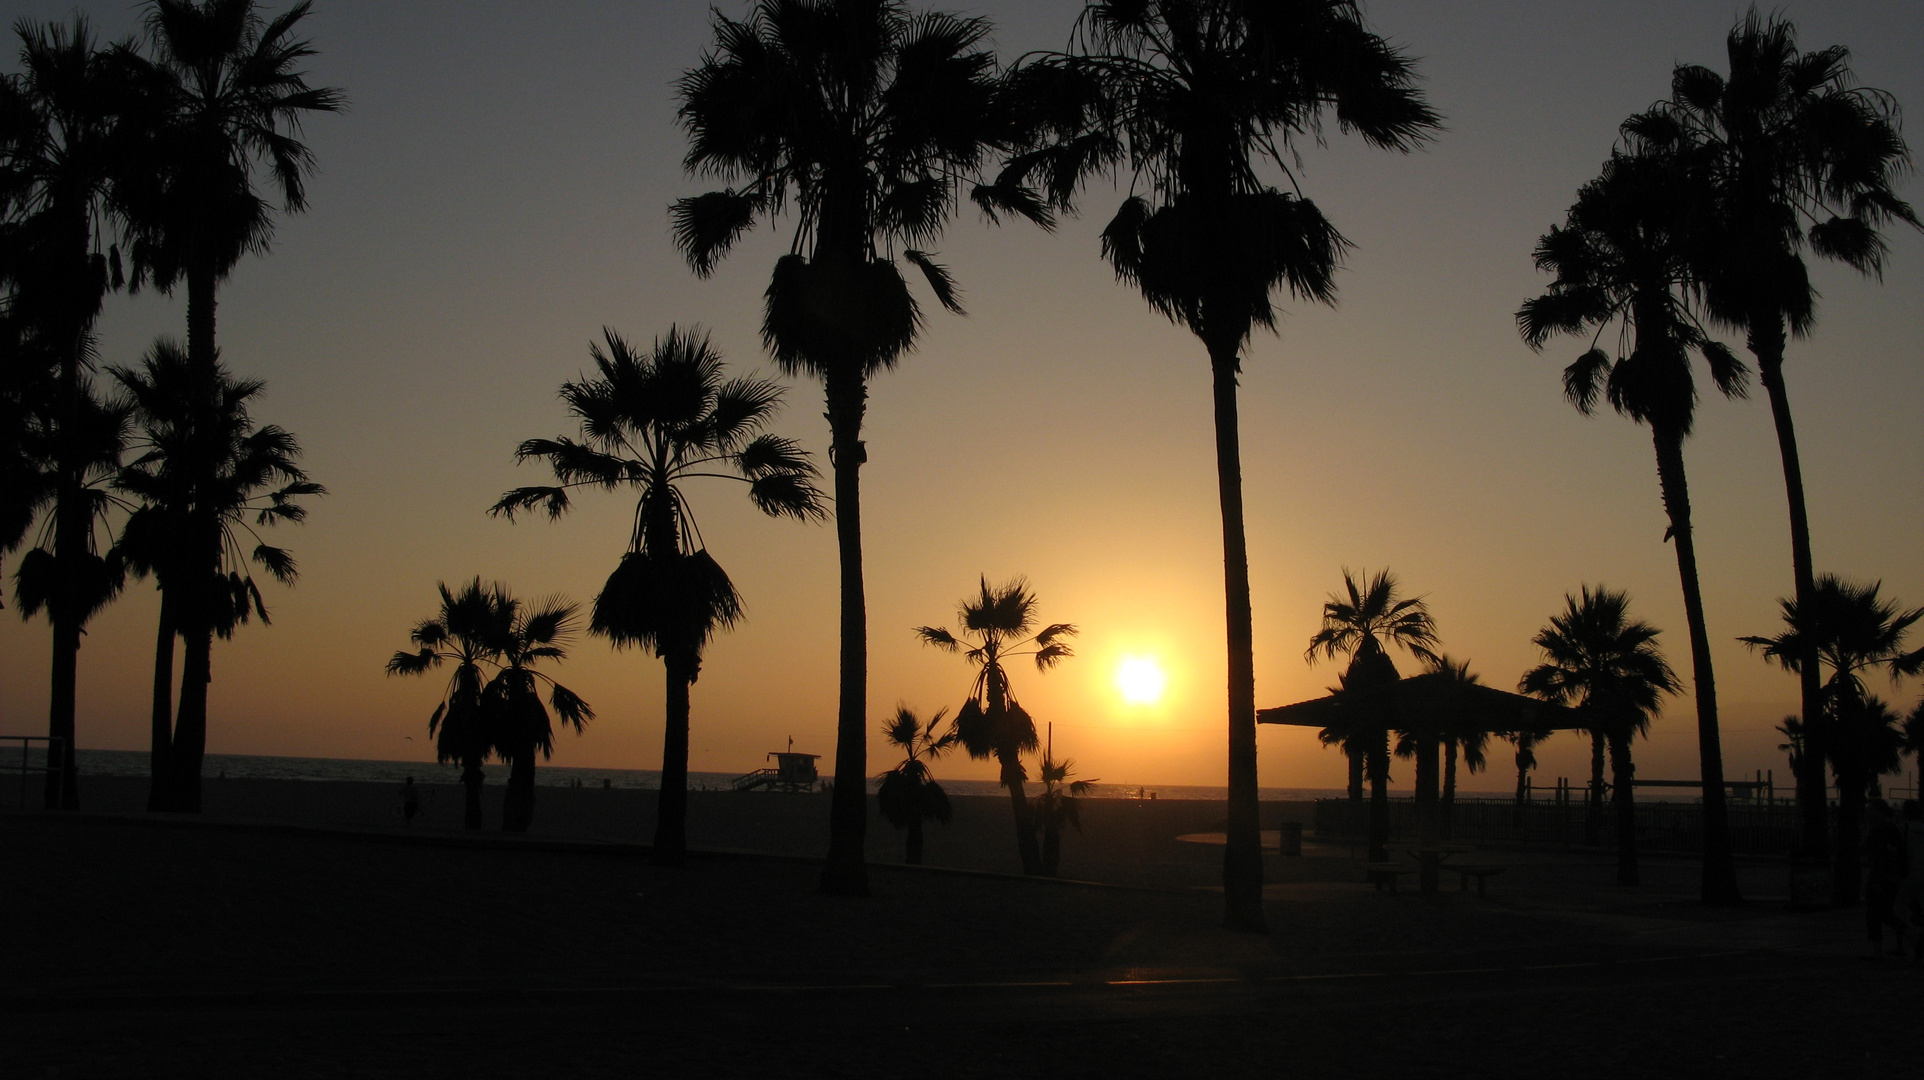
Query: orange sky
[[498, 193]]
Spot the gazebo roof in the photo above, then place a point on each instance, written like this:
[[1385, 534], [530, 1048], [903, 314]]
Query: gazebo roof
[[1428, 695]]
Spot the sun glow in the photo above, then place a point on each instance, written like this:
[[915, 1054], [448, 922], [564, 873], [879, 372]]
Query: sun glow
[[1141, 680]]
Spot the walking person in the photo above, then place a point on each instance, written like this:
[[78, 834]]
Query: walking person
[[1885, 855], [1910, 893]]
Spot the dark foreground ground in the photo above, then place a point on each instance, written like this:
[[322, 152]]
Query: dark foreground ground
[[131, 949]]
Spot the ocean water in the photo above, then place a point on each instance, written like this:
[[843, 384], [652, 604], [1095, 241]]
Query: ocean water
[[252, 766]]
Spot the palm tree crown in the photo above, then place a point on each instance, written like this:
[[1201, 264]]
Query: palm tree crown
[[1850, 629], [463, 633], [995, 626], [1597, 656], [1369, 617]]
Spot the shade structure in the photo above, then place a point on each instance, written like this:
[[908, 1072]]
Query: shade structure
[[1430, 698]]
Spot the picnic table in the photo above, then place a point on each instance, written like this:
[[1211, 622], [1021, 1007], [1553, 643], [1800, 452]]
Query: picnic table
[[1430, 859]]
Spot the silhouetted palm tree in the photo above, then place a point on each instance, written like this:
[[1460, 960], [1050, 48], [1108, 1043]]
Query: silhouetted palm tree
[[1849, 629], [867, 118], [203, 470], [909, 795], [464, 633], [1057, 806], [1600, 659], [1620, 260], [652, 422], [1422, 738], [1362, 623], [519, 722], [1797, 153], [1472, 741], [1526, 760], [57, 145], [1195, 95], [994, 626], [219, 106]]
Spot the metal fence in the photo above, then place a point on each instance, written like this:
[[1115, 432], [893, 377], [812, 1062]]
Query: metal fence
[[1755, 828], [18, 772]]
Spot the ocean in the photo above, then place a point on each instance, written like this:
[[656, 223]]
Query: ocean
[[262, 767]]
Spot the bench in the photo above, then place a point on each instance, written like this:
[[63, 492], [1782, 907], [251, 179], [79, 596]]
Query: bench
[[1465, 873], [1380, 874]]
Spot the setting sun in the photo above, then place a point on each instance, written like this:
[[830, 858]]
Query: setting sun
[[1141, 680]]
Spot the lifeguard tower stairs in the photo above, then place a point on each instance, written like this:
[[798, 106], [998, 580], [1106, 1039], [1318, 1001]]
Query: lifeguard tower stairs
[[792, 772]]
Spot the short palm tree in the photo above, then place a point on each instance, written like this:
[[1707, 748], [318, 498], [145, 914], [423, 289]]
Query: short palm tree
[[868, 119], [1423, 738], [652, 422], [1471, 741], [1797, 153], [1526, 760], [1598, 658], [1850, 629], [1621, 261], [218, 109], [1058, 805], [464, 633], [1197, 96], [57, 151], [994, 626], [520, 724], [1363, 622], [909, 795], [209, 478]]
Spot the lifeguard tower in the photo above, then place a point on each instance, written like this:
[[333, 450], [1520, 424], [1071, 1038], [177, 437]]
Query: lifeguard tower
[[792, 772]]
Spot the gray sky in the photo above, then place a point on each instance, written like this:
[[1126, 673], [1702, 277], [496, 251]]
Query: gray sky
[[498, 193]]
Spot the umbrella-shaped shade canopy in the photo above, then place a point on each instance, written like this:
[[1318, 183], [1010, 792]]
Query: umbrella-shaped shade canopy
[[1409, 702]]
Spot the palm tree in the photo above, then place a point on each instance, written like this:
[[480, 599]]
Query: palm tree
[[652, 422], [462, 632], [1452, 721], [1598, 658], [909, 794], [995, 626], [1196, 95], [204, 469], [57, 146], [1526, 760], [868, 119], [1620, 260], [519, 722], [1057, 806], [1849, 629], [1797, 154], [219, 107], [1362, 623], [1472, 741]]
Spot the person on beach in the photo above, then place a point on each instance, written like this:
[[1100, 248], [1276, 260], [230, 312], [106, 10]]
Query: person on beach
[[410, 802], [1910, 893], [1884, 854]]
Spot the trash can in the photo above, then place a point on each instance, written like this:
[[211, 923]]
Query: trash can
[[1291, 841]]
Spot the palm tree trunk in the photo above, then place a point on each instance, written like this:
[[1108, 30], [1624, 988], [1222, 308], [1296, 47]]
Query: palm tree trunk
[[190, 726], [1051, 846], [1766, 342], [1623, 775], [1356, 757], [73, 525], [914, 854], [161, 719], [1846, 862], [1719, 884], [62, 768], [1426, 808], [471, 780], [1025, 845], [201, 286], [1243, 854], [517, 807], [844, 873], [1593, 819], [1379, 831], [671, 804], [1449, 788]]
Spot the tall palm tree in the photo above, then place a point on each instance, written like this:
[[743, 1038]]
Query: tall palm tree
[[1798, 154], [1363, 622], [651, 422], [520, 724], [57, 147], [1196, 95], [1058, 805], [1620, 261], [219, 106], [909, 795], [868, 119], [204, 469], [1598, 658], [464, 633], [994, 626], [1849, 629]]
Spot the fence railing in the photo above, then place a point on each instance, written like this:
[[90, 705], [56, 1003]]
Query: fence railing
[[1755, 829], [26, 764]]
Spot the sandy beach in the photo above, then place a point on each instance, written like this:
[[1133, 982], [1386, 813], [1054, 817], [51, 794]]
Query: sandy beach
[[299, 929]]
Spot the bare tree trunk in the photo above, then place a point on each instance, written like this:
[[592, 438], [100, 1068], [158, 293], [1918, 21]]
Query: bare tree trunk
[[1243, 854], [845, 873], [1719, 884]]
